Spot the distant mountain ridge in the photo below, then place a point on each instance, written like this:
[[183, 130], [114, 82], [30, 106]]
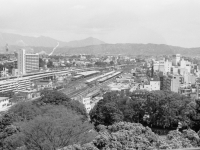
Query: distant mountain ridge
[[19, 40], [89, 46], [42, 41], [132, 49], [86, 42]]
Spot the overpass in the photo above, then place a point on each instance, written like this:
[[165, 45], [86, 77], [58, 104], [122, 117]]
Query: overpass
[[52, 74]]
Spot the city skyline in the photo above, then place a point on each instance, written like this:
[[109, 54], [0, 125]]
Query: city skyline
[[160, 22]]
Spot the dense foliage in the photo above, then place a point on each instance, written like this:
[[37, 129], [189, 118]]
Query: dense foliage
[[161, 109], [53, 121], [121, 120], [123, 136]]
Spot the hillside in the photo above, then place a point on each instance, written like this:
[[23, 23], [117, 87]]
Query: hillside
[[88, 46], [42, 41], [19, 40], [131, 49], [85, 42]]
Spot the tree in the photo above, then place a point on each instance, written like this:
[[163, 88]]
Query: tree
[[112, 63], [50, 64], [105, 114], [24, 111], [48, 133], [54, 97], [41, 62]]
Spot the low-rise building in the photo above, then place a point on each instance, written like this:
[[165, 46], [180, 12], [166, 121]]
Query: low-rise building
[[87, 103], [28, 94], [42, 84], [4, 103], [15, 84], [155, 84]]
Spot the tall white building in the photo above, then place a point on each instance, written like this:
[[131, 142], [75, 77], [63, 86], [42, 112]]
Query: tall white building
[[27, 62], [168, 65]]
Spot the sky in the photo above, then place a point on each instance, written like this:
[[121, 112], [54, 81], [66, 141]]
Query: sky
[[172, 22]]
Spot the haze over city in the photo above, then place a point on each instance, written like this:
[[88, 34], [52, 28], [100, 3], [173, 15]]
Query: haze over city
[[99, 74], [172, 22]]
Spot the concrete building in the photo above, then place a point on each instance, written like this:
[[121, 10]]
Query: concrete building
[[175, 70], [86, 102], [168, 65], [27, 62], [189, 78], [4, 72], [28, 94], [4, 103], [14, 85], [176, 59], [162, 66], [15, 72], [42, 84], [155, 84], [158, 66], [176, 82], [165, 83], [145, 87]]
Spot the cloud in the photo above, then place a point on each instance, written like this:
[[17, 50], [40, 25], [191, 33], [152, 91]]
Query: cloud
[[78, 7], [173, 22]]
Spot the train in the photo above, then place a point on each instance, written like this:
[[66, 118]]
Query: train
[[109, 77]]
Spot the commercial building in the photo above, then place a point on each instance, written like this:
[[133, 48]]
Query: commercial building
[[27, 62]]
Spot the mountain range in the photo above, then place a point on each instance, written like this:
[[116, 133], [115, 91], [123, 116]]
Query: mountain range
[[89, 45], [42, 41]]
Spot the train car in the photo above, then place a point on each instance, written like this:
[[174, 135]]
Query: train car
[[77, 77], [88, 73], [109, 77], [93, 80]]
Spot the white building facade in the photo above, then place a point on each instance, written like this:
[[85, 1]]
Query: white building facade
[[27, 63]]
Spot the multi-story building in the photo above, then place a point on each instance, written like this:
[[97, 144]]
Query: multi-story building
[[4, 72], [165, 83], [27, 62], [162, 66], [176, 82], [155, 84], [14, 85], [21, 61], [176, 59]]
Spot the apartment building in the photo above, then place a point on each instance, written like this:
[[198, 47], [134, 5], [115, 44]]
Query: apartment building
[[27, 62], [176, 81]]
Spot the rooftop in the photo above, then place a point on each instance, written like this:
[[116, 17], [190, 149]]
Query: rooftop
[[3, 98], [87, 73]]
